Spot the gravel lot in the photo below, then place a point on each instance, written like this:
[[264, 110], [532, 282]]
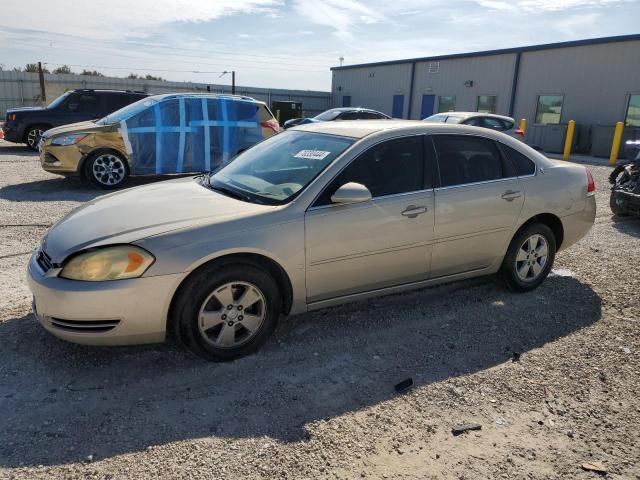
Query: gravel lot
[[318, 401]]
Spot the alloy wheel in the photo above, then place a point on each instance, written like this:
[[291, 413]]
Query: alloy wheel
[[108, 169], [532, 258], [33, 137], [232, 314]]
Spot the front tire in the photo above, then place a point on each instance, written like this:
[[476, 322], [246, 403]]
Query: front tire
[[227, 311], [529, 258], [33, 135], [106, 169]]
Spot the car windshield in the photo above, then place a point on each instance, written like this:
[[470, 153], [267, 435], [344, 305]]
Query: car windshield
[[328, 115], [128, 111], [59, 100], [273, 172]]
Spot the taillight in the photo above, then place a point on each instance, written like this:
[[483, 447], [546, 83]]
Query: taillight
[[520, 132], [272, 124], [12, 117], [591, 185]]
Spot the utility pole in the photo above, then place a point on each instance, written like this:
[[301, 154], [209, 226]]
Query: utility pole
[[233, 82], [42, 91]]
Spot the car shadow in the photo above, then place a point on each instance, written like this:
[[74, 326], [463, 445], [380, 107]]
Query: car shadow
[[69, 189], [628, 225], [62, 402]]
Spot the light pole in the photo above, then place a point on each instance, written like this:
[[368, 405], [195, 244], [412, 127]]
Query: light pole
[[233, 80]]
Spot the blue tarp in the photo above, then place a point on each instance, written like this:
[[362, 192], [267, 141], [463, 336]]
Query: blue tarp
[[183, 133]]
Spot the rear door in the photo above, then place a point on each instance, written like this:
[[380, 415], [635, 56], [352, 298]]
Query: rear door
[[352, 248], [477, 204]]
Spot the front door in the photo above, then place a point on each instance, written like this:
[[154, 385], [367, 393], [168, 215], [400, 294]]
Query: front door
[[476, 206], [387, 241]]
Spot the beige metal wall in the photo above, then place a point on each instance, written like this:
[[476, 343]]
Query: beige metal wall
[[490, 75]]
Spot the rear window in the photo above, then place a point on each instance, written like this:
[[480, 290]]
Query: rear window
[[436, 118], [522, 164], [265, 113]]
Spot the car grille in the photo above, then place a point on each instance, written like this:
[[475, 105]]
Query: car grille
[[44, 261], [84, 326]]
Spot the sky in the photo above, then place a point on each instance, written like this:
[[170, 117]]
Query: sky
[[285, 43]]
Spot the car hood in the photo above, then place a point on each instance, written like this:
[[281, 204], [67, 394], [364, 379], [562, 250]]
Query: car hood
[[89, 126], [140, 212], [25, 109]]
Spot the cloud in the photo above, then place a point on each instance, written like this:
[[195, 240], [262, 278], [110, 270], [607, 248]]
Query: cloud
[[344, 16], [546, 5], [123, 18]]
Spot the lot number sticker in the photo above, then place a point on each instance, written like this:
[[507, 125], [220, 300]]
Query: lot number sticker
[[312, 154]]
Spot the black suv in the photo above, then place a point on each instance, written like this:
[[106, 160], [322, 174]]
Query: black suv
[[25, 125]]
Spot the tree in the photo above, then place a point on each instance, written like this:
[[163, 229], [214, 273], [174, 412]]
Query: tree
[[92, 73], [151, 77], [132, 76], [33, 68], [62, 69]]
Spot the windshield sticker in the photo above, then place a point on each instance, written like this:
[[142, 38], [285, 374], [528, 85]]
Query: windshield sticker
[[312, 154]]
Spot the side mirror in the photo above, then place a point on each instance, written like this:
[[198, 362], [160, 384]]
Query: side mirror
[[351, 193]]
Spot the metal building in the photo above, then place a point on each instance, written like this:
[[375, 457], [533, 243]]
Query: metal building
[[595, 82]]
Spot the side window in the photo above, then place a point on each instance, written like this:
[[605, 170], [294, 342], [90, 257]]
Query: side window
[[395, 166], [116, 101], [492, 123], [467, 159], [348, 116], [83, 103], [522, 164], [474, 122]]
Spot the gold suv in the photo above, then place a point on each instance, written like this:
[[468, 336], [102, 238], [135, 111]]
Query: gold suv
[[161, 134]]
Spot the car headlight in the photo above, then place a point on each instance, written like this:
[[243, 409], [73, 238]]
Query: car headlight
[[68, 139], [108, 263]]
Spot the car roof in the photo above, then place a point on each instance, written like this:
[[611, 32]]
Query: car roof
[[466, 115], [165, 96], [352, 109]]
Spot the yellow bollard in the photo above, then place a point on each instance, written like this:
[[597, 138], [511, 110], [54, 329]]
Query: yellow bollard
[[523, 125], [615, 146], [571, 128]]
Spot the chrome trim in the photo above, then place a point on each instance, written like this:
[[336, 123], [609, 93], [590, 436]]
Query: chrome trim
[[485, 182], [373, 200]]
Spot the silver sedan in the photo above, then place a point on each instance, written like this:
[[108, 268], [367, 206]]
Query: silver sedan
[[316, 216]]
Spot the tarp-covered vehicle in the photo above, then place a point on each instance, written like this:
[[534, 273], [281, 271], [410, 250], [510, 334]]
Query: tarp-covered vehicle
[[625, 193], [161, 134]]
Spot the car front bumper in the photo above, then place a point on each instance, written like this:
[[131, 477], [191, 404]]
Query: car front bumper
[[11, 134], [117, 312], [60, 159]]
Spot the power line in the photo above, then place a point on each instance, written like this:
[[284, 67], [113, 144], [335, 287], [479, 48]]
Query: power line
[[127, 68]]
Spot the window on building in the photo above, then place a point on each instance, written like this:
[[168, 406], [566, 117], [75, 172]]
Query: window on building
[[446, 103], [549, 109], [487, 103], [632, 118], [467, 159]]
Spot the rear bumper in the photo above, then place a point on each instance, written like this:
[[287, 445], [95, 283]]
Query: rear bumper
[[578, 224], [120, 312]]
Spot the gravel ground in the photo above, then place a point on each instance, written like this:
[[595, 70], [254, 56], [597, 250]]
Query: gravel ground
[[318, 400]]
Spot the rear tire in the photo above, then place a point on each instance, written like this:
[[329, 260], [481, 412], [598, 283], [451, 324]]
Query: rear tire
[[226, 311], [106, 169], [529, 258]]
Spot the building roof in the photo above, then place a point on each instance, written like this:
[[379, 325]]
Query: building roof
[[530, 48]]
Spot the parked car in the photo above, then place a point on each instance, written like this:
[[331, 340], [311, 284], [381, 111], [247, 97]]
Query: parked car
[[343, 113], [316, 216], [161, 134], [499, 123], [26, 125], [625, 181]]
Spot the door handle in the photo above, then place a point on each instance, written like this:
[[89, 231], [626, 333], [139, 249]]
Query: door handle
[[511, 195], [412, 211]]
